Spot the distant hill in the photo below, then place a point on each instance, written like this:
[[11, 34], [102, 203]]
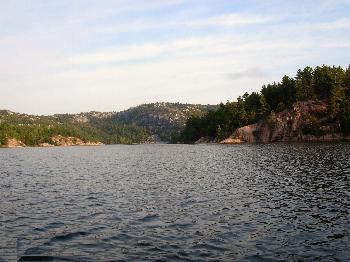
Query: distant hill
[[162, 119], [144, 123]]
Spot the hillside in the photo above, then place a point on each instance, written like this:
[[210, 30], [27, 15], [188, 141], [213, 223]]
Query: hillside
[[312, 106], [144, 123], [162, 119]]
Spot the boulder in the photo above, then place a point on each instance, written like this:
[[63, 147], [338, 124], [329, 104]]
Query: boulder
[[13, 143], [232, 140]]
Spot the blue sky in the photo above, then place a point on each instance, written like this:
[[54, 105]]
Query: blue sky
[[82, 55]]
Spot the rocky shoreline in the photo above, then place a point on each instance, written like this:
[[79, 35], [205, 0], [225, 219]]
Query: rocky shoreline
[[59, 140], [288, 126]]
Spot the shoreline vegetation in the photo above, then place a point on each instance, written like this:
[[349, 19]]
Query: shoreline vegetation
[[56, 142], [312, 106]]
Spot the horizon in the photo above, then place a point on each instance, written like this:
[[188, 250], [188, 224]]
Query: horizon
[[83, 56]]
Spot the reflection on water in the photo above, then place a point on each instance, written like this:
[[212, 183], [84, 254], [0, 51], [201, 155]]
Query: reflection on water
[[176, 202]]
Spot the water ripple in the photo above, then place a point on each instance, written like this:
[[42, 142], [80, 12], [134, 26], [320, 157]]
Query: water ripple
[[273, 202]]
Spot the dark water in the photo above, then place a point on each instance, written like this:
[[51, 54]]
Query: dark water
[[176, 203]]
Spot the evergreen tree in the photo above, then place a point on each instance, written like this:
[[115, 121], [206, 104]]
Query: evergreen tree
[[304, 86]]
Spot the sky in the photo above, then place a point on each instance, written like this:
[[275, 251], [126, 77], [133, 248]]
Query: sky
[[64, 56]]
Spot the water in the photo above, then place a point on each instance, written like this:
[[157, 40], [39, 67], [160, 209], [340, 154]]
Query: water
[[176, 203]]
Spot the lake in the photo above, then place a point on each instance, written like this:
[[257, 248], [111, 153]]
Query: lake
[[248, 202]]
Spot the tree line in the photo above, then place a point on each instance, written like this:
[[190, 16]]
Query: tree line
[[36, 134]]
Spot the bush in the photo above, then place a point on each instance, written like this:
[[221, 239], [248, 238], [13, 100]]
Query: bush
[[313, 127]]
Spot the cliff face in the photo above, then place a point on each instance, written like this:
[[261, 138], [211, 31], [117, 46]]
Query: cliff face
[[306, 121]]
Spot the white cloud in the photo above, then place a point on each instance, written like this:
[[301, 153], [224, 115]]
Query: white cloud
[[232, 19], [250, 73], [219, 46], [225, 20]]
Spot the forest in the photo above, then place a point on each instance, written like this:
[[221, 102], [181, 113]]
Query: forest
[[34, 134], [135, 125], [330, 84]]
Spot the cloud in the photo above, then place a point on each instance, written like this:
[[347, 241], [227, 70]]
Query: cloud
[[200, 47], [225, 20], [229, 20], [126, 54], [251, 73]]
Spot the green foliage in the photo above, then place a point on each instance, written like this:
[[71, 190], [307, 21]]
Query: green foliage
[[337, 99], [288, 91], [7, 131], [280, 107], [347, 78], [326, 79], [345, 115], [223, 121], [313, 127], [272, 95], [33, 135], [264, 108], [193, 130], [304, 86], [279, 96]]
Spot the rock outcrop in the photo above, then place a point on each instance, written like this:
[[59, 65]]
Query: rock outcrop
[[13, 143], [46, 145], [72, 141], [291, 125], [232, 140]]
